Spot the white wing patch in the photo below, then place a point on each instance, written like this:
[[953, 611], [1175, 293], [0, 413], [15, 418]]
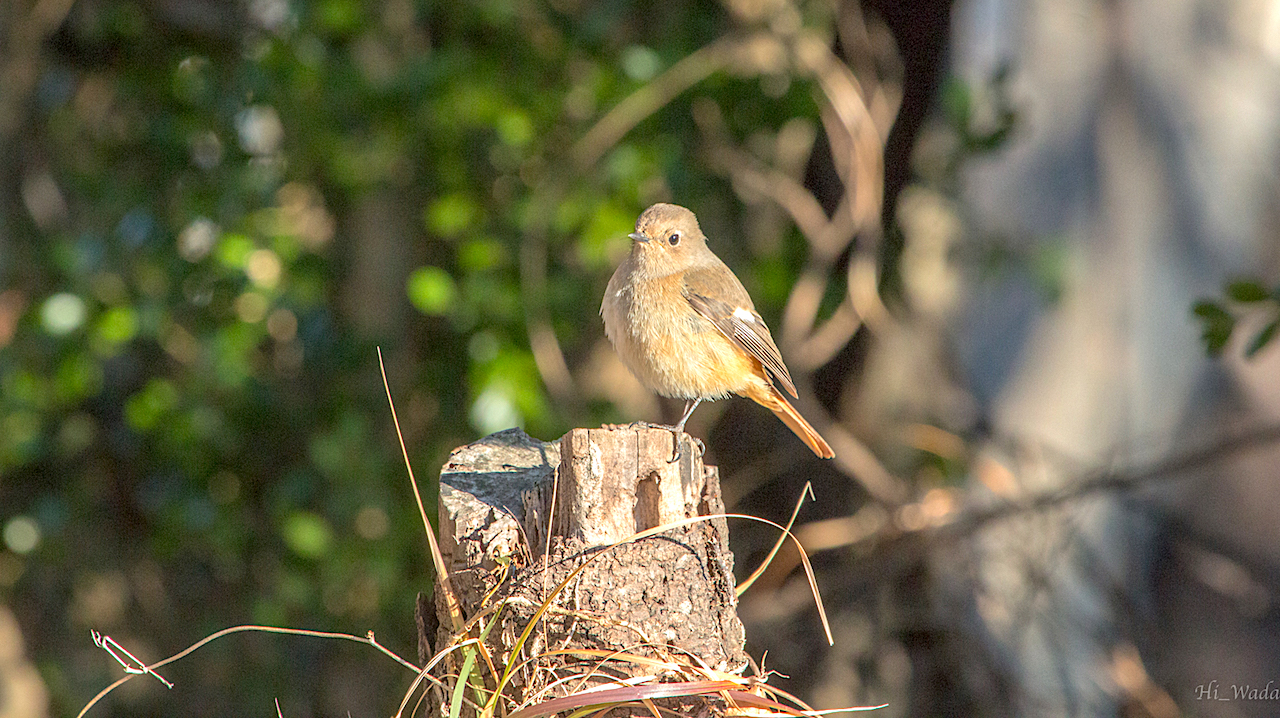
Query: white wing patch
[[733, 317]]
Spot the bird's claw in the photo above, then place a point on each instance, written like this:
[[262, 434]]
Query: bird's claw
[[636, 425], [677, 453], [676, 432]]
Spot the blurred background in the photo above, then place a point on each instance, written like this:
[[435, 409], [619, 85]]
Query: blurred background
[[977, 228]]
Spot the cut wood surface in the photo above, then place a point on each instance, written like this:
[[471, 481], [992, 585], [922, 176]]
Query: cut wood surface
[[667, 596]]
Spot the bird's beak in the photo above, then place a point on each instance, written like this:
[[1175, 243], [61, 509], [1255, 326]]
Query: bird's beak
[[638, 237]]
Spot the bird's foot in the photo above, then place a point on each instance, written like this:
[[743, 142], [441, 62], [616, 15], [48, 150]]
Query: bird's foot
[[675, 430], [636, 425], [677, 453]]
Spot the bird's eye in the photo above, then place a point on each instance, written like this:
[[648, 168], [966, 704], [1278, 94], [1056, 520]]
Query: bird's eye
[[674, 239]]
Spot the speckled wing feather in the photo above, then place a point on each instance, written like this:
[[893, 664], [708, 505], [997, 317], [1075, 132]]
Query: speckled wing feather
[[718, 295]]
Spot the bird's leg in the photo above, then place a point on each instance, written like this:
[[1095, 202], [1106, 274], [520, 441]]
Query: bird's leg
[[678, 429], [689, 406]]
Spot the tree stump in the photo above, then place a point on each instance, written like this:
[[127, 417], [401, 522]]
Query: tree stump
[[668, 597]]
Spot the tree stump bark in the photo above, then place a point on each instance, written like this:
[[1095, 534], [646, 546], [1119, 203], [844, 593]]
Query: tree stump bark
[[668, 597]]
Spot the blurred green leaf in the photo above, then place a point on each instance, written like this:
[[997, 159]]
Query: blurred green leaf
[[515, 128], [25, 387], [19, 437], [624, 164], [452, 214], [957, 102], [117, 325], [431, 290], [771, 281], [1217, 325], [607, 228], [307, 534], [1050, 262], [342, 16], [145, 409], [1246, 291], [233, 249], [1263, 338], [79, 376], [1211, 312], [477, 255]]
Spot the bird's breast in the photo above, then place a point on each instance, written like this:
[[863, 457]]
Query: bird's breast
[[671, 348]]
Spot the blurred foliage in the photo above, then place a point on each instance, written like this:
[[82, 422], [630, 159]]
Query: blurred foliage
[[1246, 305], [973, 119], [196, 272], [981, 117]]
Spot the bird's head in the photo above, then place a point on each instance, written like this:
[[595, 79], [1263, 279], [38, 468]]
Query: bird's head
[[668, 240]]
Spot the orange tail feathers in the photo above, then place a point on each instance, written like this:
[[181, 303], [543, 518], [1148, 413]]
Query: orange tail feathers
[[778, 404]]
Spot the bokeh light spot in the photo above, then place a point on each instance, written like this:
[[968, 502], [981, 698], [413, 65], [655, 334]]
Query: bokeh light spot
[[251, 307], [63, 313], [640, 63], [196, 240], [145, 409], [282, 325], [260, 130], [234, 250], [515, 129], [77, 433], [206, 150], [483, 347], [22, 534], [263, 268], [494, 411], [372, 523]]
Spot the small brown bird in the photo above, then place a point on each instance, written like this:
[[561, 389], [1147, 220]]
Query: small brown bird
[[684, 325]]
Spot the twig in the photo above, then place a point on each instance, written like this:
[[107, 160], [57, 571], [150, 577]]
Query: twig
[[649, 99], [864, 171], [848, 125], [548, 356], [113, 649], [437, 558], [1109, 480], [545, 347], [20, 70], [861, 463], [368, 639]]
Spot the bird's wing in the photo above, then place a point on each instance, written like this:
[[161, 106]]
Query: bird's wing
[[718, 296]]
